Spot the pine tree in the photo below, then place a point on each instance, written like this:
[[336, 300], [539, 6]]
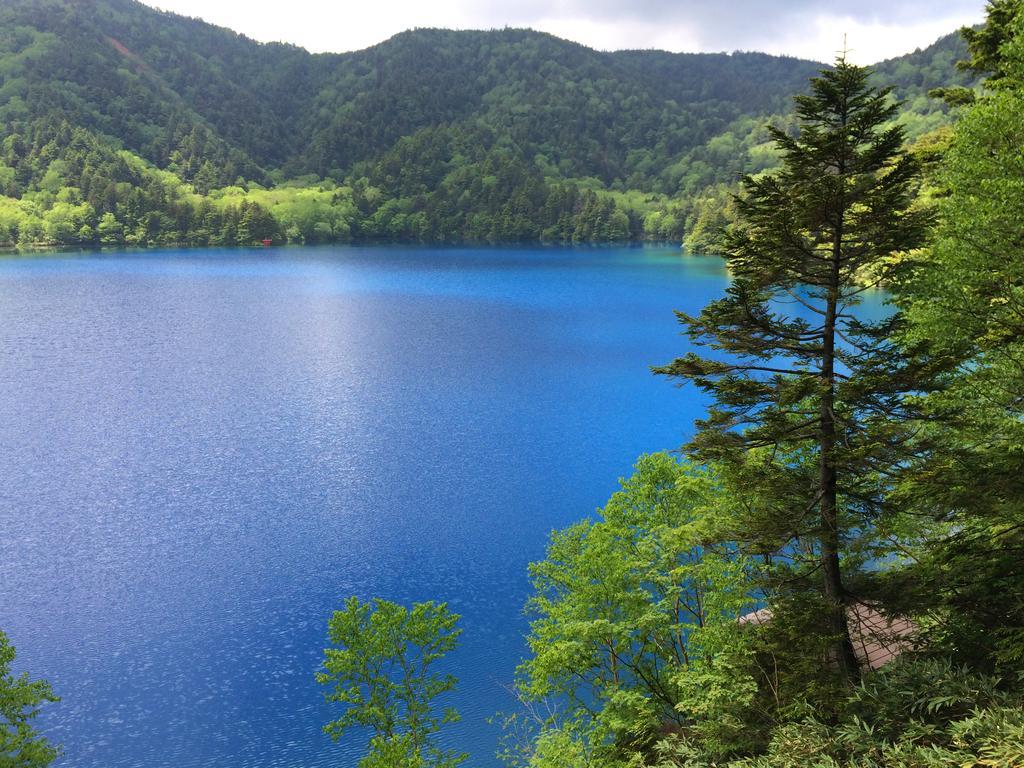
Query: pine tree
[[808, 399], [987, 43]]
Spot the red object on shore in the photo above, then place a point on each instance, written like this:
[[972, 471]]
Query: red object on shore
[[267, 242]]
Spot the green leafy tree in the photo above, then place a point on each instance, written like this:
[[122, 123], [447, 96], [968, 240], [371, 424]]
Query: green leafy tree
[[801, 376], [966, 301], [21, 746], [381, 668], [109, 229], [635, 618]]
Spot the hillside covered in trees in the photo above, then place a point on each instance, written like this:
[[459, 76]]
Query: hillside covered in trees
[[120, 124]]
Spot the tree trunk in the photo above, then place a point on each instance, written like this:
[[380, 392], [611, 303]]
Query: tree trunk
[[835, 594]]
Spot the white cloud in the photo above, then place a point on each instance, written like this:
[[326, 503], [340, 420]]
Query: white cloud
[[866, 42], [875, 29]]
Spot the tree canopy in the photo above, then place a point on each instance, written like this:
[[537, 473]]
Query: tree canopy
[[807, 397], [381, 669], [21, 745]]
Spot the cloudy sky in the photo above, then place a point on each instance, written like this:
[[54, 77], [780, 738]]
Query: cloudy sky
[[814, 29]]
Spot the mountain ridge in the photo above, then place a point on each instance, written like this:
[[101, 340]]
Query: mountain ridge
[[217, 109], [506, 27]]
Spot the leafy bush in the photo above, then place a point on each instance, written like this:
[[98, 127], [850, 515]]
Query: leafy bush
[[914, 713]]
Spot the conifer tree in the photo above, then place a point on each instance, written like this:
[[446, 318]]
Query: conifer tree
[[987, 43], [808, 407]]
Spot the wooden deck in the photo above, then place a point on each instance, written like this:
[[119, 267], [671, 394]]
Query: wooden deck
[[877, 639]]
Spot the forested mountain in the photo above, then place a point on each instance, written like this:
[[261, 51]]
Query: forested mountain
[[157, 128]]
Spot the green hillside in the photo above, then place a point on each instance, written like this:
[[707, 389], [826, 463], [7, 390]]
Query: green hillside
[[123, 124]]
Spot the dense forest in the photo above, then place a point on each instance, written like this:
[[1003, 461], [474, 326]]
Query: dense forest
[[123, 125]]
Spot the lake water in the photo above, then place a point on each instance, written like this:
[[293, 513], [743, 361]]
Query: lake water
[[203, 453]]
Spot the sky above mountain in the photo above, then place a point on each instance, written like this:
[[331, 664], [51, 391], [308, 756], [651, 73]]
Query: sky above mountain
[[813, 29]]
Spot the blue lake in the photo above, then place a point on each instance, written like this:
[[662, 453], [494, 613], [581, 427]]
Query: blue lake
[[203, 453]]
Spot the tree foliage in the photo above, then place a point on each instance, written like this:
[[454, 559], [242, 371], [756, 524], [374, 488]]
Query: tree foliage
[[966, 301], [912, 714], [21, 745], [804, 377], [635, 615], [381, 668]]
